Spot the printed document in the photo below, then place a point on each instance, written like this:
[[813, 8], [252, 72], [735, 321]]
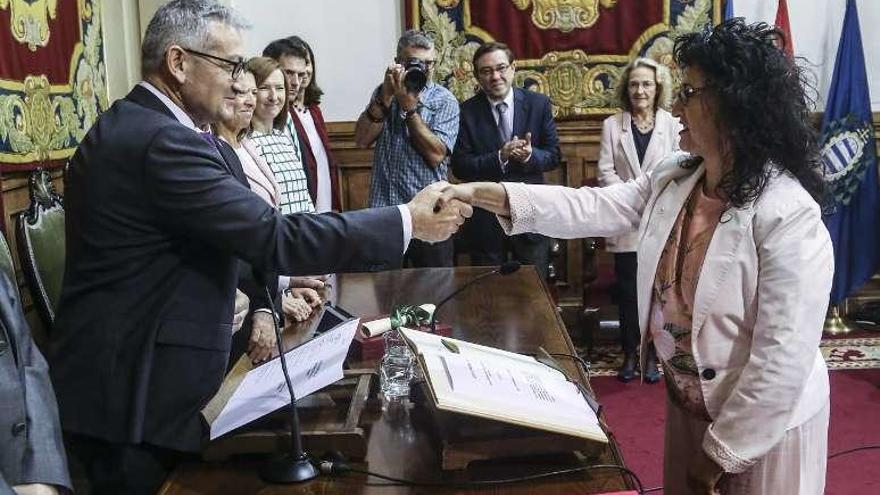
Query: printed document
[[312, 366]]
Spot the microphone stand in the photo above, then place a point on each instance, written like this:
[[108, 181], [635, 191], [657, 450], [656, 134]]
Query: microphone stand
[[505, 269], [293, 466]]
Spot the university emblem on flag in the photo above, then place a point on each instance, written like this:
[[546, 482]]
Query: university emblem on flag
[[844, 160]]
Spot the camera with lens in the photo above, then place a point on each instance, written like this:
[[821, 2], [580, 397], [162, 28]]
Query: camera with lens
[[415, 75]]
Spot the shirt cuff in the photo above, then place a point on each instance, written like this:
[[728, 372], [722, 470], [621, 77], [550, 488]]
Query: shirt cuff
[[523, 213], [283, 283], [406, 220], [719, 452], [502, 163]]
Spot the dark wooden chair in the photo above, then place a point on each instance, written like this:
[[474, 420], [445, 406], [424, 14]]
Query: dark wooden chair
[[40, 236]]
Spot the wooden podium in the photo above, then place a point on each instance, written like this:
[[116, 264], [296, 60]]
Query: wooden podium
[[512, 312]]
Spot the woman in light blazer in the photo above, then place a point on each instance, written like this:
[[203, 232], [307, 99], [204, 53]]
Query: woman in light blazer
[[734, 266], [633, 142]]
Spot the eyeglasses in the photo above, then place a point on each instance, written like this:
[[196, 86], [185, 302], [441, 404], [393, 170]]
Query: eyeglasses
[[686, 92], [429, 64], [488, 71], [237, 65]]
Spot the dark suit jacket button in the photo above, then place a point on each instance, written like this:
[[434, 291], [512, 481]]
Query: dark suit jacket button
[[708, 374], [18, 429]]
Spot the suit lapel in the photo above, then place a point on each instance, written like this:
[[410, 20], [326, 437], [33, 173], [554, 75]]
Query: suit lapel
[[656, 228], [719, 258], [231, 161], [652, 153], [629, 144]]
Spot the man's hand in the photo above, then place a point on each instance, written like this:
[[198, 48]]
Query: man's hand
[[509, 147], [389, 83], [703, 475], [35, 489], [295, 308], [433, 221], [523, 152], [262, 343], [405, 99], [312, 282], [310, 296], [242, 305]]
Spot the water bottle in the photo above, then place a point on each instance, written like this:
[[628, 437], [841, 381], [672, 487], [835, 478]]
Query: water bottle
[[396, 368]]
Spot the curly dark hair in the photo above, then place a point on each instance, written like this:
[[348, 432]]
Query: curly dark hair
[[761, 106]]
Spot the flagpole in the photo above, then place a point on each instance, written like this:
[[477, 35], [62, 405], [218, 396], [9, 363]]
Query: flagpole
[[834, 323]]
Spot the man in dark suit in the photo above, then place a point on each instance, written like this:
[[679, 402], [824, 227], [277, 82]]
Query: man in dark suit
[[155, 225], [32, 459], [505, 134]]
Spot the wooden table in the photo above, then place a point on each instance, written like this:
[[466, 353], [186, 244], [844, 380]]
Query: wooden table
[[512, 312]]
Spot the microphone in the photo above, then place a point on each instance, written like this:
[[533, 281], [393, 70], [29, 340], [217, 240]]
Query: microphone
[[506, 268], [295, 465]]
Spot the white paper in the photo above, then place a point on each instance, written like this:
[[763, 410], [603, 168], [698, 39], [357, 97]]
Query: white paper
[[312, 366], [382, 325]]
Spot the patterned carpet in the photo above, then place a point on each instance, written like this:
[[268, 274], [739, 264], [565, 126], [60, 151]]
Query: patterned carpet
[[839, 353]]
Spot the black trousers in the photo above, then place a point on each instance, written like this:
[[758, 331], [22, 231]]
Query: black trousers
[[114, 469], [426, 255], [625, 269], [489, 245]]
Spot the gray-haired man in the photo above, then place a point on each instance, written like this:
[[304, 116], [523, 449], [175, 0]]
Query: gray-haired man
[[414, 130], [155, 225]]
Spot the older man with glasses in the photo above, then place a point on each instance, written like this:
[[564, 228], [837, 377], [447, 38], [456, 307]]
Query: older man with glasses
[[155, 226]]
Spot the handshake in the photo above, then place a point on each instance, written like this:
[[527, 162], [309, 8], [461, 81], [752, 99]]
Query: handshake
[[437, 212]]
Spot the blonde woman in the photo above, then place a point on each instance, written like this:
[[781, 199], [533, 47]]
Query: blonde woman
[[633, 142]]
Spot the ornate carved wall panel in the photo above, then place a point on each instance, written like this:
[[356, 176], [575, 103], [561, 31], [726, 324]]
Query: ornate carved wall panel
[[571, 50]]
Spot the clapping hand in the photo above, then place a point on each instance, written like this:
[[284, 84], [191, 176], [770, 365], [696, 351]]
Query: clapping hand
[[433, 220], [523, 151]]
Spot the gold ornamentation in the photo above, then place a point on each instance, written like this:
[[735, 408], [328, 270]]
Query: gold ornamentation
[[578, 84], [39, 121], [455, 54], [575, 87], [448, 4], [29, 20], [564, 15]]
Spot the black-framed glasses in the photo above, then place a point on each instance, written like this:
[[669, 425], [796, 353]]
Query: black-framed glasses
[[686, 92], [489, 71], [236, 65]]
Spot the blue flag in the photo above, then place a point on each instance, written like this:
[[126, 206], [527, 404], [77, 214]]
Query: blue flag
[[850, 165], [728, 10]]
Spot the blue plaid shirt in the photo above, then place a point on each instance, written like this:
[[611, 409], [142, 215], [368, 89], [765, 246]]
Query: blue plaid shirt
[[399, 171]]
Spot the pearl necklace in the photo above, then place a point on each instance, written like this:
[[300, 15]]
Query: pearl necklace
[[646, 125]]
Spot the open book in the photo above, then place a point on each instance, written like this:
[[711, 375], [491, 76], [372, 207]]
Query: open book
[[504, 386]]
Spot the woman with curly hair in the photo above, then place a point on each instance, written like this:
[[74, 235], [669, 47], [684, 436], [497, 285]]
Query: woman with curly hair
[[734, 266]]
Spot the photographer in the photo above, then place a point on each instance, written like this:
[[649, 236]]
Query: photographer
[[413, 123]]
